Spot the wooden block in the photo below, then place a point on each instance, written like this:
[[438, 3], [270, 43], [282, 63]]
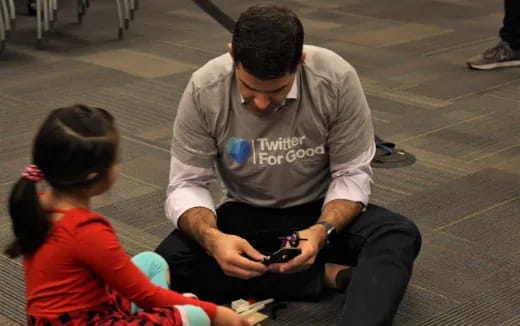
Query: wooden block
[[256, 318]]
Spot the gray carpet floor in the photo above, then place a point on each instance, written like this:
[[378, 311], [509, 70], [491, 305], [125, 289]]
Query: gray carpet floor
[[463, 126]]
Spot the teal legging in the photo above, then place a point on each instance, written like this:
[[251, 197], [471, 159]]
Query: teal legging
[[157, 270]]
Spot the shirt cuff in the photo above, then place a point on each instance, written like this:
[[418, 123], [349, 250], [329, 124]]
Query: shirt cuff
[[182, 199], [353, 188], [351, 181]]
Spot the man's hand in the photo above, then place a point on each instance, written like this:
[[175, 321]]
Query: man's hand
[[227, 317], [338, 212], [236, 256], [316, 236]]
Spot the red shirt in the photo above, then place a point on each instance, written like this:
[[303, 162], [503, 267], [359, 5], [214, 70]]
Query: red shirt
[[80, 256]]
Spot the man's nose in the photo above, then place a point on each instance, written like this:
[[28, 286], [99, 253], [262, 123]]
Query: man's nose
[[262, 102]]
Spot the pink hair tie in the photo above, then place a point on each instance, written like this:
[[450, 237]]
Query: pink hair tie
[[33, 173]]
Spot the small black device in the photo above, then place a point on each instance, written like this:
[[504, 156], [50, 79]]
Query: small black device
[[282, 255]]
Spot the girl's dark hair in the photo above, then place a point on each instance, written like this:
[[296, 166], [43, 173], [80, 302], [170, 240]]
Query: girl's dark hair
[[268, 41], [73, 144]]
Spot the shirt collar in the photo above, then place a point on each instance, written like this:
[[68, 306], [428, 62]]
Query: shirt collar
[[292, 95]]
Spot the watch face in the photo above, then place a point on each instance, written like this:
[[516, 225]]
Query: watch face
[[331, 231], [329, 227]]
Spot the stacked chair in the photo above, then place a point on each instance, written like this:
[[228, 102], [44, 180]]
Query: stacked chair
[[47, 12], [7, 21]]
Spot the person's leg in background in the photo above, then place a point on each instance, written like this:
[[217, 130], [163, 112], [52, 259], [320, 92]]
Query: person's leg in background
[[507, 52], [157, 270], [510, 31], [382, 246]]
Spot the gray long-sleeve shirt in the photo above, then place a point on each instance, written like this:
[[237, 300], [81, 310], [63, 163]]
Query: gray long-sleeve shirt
[[318, 144]]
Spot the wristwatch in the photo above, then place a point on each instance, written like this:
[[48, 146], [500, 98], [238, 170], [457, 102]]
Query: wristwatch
[[330, 229]]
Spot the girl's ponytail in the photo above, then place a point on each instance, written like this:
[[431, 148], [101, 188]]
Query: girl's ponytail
[[30, 223]]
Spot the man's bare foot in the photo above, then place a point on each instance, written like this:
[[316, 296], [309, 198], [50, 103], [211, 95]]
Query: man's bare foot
[[337, 276]]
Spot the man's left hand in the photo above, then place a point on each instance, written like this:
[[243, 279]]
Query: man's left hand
[[316, 237]]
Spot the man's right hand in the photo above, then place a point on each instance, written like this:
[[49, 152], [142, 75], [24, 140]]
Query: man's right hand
[[236, 256], [227, 317]]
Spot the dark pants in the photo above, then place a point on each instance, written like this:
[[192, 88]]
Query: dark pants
[[381, 244], [510, 31]]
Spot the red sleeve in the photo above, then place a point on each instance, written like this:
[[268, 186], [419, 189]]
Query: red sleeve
[[99, 249]]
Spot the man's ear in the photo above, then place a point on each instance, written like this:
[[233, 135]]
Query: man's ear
[[230, 49], [302, 59]]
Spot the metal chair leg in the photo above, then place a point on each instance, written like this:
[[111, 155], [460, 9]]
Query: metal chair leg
[[126, 7], [12, 11], [45, 5], [54, 8], [2, 33], [39, 32], [4, 11], [81, 11], [51, 14], [132, 9], [120, 18]]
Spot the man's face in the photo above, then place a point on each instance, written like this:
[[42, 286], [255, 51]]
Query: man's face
[[263, 96]]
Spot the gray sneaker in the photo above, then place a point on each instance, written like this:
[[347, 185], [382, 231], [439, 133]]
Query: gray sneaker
[[498, 56]]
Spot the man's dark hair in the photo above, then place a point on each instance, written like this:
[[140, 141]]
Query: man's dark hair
[[268, 41]]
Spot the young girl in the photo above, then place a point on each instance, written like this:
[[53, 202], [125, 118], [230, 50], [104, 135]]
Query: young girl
[[76, 272]]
